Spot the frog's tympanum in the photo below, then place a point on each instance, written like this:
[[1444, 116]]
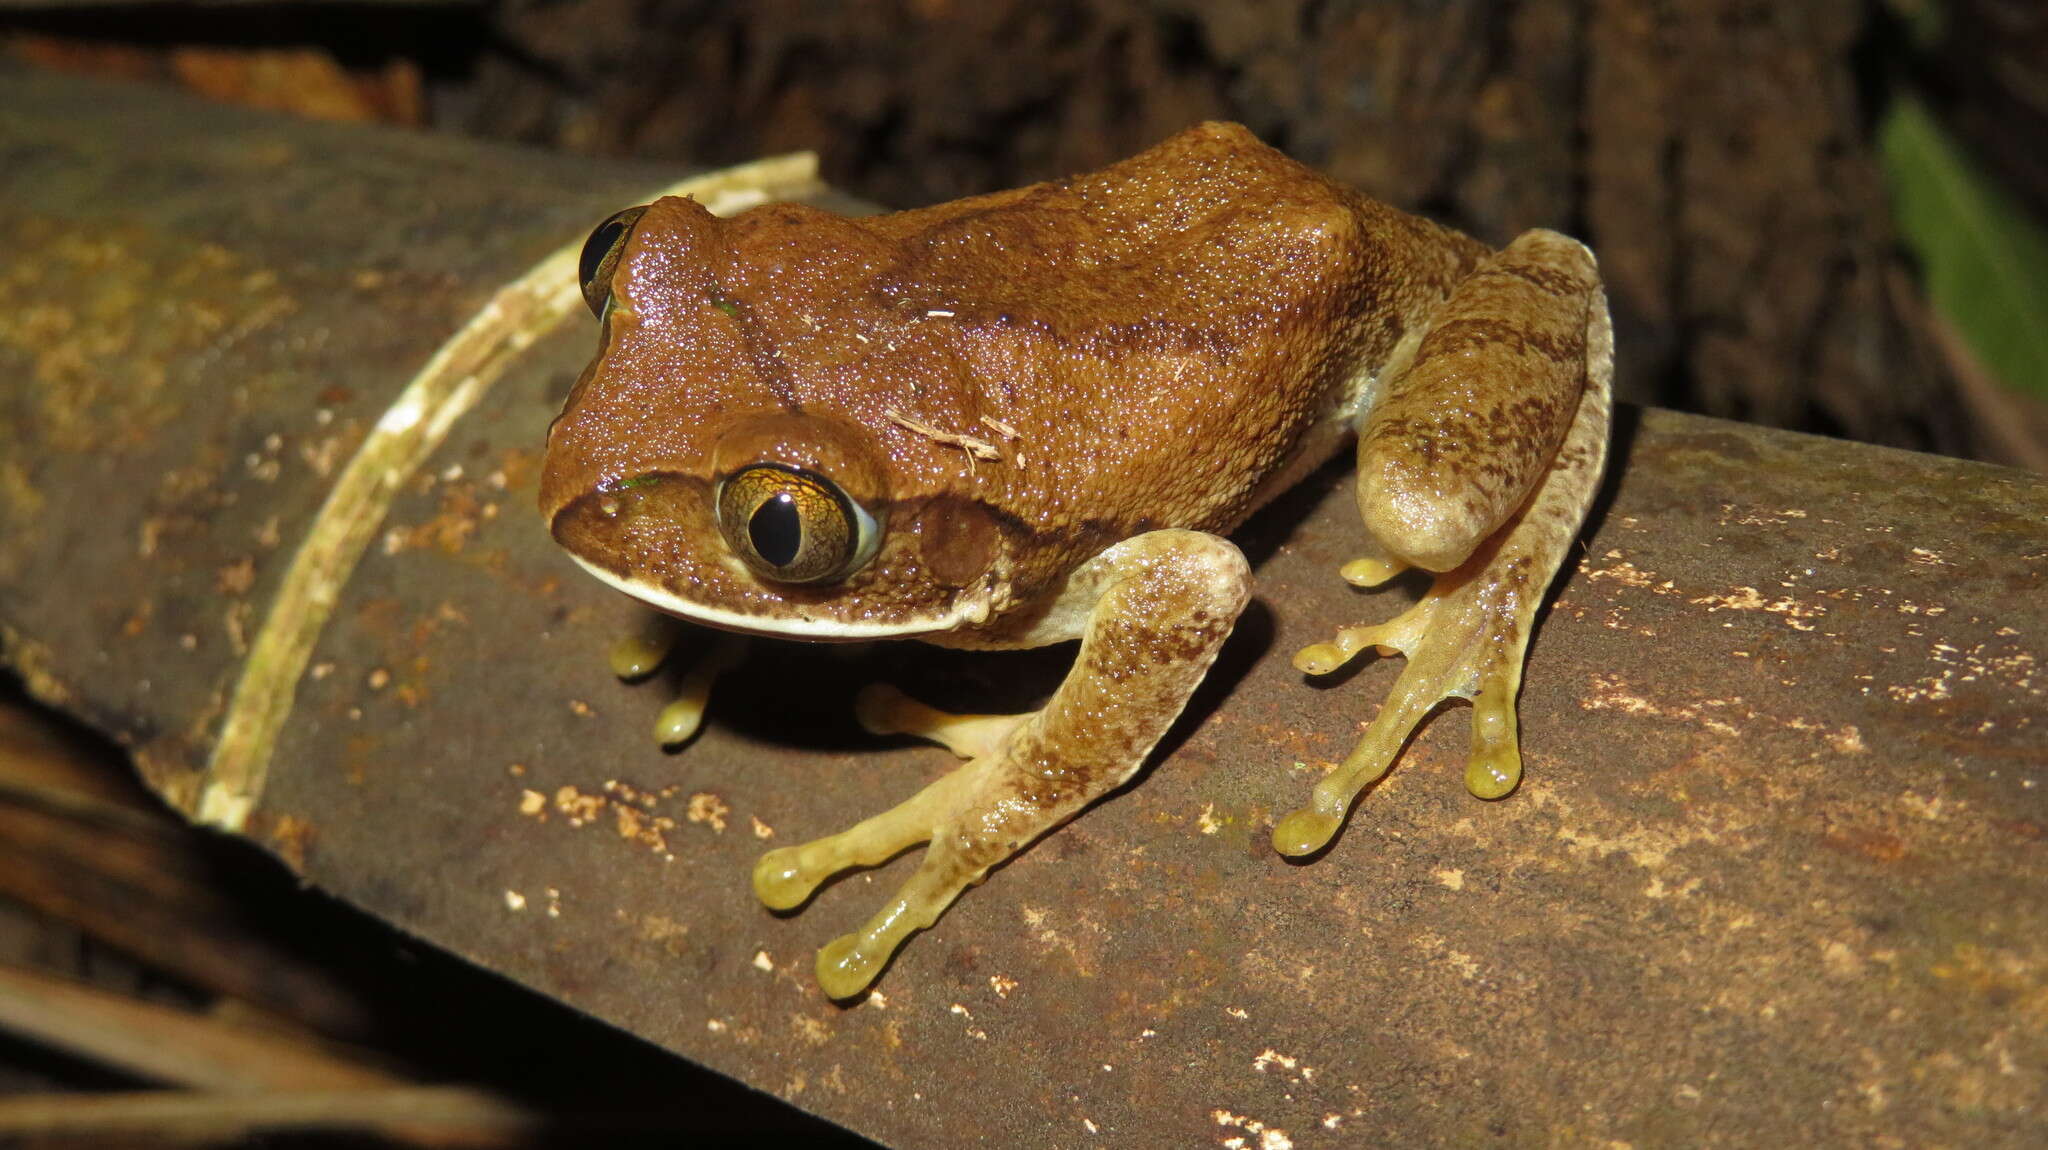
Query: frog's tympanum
[[1032, 416]]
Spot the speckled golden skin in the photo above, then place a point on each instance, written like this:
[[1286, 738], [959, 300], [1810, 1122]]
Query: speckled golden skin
[[1052, 402]]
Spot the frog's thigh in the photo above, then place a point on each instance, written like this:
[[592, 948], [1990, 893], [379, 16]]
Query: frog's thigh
[[1471, 415], [1467, 637], [1167, 601]]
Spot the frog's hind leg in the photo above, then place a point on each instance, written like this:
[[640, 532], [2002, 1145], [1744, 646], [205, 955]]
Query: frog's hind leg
[[1162, 604], [883, 710], [1479, 463]]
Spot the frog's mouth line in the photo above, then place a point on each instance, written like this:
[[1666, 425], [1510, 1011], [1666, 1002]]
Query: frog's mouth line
[[817, 630]]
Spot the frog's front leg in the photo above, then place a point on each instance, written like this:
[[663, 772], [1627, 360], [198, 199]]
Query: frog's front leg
[[1163, 603], [637, 656], [1478, 462]]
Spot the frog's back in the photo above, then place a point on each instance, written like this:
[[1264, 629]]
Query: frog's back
[[1164, 334]]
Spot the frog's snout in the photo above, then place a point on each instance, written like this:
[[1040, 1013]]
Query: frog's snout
[[638, 524]]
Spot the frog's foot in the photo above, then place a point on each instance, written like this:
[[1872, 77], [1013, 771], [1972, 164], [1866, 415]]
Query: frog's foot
[[944, 814], [641, 654], [883, 710], [1463, 640], [1522, 347], [678, 722], [1159, 607], [638, 656]]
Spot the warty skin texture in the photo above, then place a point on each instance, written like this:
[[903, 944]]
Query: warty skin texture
[[1051, 402]]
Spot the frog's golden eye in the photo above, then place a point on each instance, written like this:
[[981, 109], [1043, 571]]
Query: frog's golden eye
[[794, 526], [601, 257]]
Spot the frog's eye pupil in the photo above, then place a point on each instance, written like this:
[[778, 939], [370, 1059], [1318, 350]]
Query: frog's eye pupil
[[777, 530]]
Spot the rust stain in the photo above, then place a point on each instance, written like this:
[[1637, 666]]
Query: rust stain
[[1874, 845], [633, 811], [709, 809], [290, 836]]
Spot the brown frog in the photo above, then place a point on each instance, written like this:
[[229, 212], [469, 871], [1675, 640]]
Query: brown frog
[[1032, 416]]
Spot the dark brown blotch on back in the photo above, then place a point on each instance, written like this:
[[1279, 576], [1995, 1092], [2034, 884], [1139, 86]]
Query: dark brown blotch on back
[[1467, 334]]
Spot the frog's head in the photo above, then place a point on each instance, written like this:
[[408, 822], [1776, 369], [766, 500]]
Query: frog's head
[[728, 456]]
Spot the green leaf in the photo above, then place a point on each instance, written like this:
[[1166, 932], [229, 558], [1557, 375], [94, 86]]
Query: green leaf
[[1985, 259]]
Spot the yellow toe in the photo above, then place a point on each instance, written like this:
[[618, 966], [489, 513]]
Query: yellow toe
[[779, 880], [1496, 763], [1304, 832], [1370, 572], [844, 970], [1494, 774], [1318, 659], [679, 721]]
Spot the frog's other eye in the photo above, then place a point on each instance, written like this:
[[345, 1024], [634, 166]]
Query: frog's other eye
[[794, 526], [601, 257]]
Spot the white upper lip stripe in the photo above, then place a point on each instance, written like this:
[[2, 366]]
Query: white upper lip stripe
[[764, 624]]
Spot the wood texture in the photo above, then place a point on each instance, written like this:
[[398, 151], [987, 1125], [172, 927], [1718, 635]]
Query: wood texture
[[1775, 874]]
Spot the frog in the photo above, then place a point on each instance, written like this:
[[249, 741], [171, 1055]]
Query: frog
[[1033, 417]]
